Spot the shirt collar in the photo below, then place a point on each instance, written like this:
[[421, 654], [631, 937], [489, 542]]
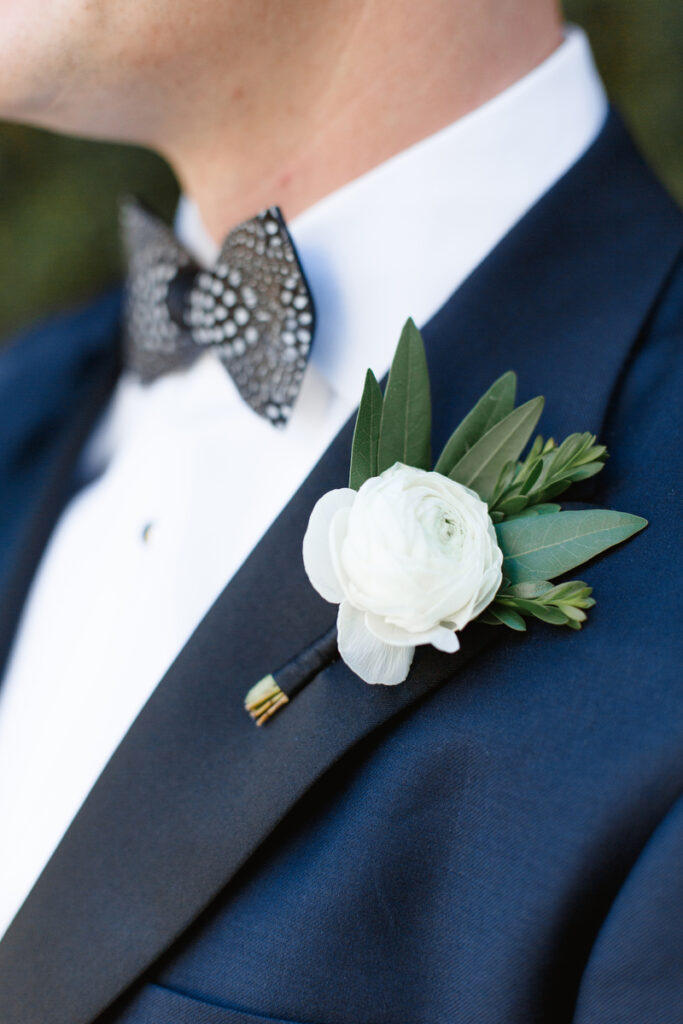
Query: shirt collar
[[397, 241]]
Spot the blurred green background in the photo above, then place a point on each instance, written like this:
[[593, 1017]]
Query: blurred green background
[[58, 196]]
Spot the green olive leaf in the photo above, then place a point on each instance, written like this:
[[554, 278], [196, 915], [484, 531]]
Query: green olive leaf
[[491, 408], [544, 547], [406, 421], [481, 466], [366, 434]]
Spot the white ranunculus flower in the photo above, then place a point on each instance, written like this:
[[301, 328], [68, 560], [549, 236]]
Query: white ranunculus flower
[[410, 558]]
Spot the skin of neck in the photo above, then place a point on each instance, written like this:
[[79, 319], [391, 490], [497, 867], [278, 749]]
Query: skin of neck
[[263, 102], [385, 78]]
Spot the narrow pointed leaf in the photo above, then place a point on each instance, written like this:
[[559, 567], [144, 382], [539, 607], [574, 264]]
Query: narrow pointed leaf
[[528, 591], [565, 591], [366, 434], [532, 477], [508, 617], [504, 481], [515, 503], [556, 489], [552, 615], [491, 408], [587, 470], [595, 453], [480, 467], [489, 619], [576, 614], [406, 421], [544, 547]]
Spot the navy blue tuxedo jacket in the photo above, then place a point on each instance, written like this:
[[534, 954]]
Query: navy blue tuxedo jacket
[[498, 840]]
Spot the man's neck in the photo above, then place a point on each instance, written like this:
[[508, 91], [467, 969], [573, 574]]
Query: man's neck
[[385, 82]]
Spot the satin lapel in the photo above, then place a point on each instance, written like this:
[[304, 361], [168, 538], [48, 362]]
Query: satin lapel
[[194, 787]]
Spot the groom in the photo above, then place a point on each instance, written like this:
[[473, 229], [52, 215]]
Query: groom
[[495, 840]]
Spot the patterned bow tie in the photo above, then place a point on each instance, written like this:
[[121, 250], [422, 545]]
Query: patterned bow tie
[[253, 307]]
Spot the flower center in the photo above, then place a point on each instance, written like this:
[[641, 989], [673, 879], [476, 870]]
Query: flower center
[[443, 529], [447, 527]]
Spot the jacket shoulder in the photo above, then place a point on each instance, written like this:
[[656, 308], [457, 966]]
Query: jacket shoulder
[[59, 340], [44, 368]]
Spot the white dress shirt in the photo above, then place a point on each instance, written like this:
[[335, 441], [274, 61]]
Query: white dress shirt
[[190, 478]]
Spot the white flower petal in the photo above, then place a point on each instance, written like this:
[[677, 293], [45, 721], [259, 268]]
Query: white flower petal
[[389, 633], [440, 636], [463, 615], [445, 639], [489, 587], [371, 659], [338, 529], [414, 551], [316, 548]]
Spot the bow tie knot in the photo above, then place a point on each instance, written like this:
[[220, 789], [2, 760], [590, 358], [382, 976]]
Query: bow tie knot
[[253, 307]]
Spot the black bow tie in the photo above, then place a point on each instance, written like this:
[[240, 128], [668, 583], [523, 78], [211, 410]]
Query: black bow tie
[[253, 307]]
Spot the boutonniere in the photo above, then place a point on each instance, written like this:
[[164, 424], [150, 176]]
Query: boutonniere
[[412, 553]]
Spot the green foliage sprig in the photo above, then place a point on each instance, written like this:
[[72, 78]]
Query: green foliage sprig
[[562, 605], [540, 542], [547, 471]]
